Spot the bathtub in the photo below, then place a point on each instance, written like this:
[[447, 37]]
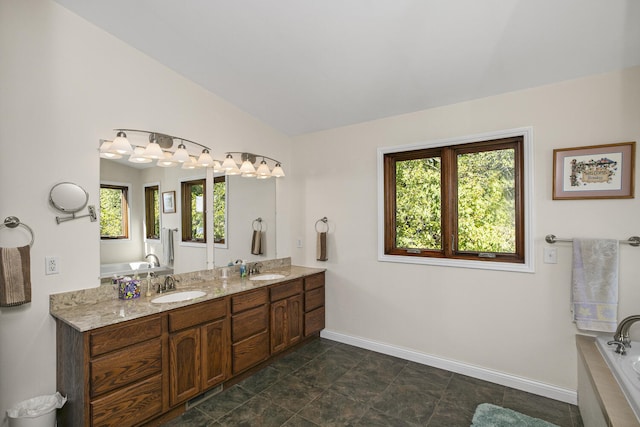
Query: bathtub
[[131, 268], [623, 369]]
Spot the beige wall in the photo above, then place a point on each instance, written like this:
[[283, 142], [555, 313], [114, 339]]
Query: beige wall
[[516, 323], [64, 84]]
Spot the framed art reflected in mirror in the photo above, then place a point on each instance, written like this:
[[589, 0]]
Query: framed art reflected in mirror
[[169, 202]]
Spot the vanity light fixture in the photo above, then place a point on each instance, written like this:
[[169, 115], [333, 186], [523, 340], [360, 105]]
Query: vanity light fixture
[[248, 170], [160, 147], [156, 149]]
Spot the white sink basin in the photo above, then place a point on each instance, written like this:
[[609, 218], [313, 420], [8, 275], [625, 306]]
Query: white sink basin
[[178, 296], [267, 277]]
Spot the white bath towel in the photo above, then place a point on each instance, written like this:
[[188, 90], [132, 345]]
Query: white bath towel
[[595, 284], [166, 238]]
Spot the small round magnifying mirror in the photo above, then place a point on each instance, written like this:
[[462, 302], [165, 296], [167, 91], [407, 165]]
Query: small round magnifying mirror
[[68, 197]]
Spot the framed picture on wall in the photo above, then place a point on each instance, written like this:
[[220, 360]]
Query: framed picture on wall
[[594, 172], [169, 202]]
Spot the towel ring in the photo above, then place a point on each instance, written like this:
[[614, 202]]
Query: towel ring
[[259, 227], [326, 223], [13, 222]]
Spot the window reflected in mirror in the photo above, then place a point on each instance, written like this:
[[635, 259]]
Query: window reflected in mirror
[[152, 212], [114, 215], [219, 209], [193, 218]]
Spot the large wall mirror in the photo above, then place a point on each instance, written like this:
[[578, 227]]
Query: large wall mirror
[[132, 195]]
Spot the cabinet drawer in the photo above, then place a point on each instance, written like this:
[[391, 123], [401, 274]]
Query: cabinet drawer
[[115, 337], [314, 281], [250, 352], [313, 321], [314, 298], [249, 323], [125, 366], [249, 300], [130, 405], [285, 290], [196, 314]]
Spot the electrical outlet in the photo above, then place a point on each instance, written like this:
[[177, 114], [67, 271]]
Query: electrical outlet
[[298, 242], [52, 266], [550, 255]]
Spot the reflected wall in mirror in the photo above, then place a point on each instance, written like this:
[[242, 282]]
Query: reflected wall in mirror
[[246, 200]]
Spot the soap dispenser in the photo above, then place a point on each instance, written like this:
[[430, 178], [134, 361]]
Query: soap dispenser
[[243, 269]]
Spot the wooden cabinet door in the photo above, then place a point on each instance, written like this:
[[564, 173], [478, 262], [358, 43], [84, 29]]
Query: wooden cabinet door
[[294, 319], [184, 365], [278, 326], [216, 351]]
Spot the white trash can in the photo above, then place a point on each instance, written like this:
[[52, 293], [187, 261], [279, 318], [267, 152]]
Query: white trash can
[[38, 411]]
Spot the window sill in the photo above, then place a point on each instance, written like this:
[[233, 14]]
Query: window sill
[[527, 267]]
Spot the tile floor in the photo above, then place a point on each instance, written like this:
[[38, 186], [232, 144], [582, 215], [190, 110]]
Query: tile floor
[[326, 383]]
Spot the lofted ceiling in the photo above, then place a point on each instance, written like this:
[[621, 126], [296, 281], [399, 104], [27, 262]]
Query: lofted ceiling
[[308, 65]]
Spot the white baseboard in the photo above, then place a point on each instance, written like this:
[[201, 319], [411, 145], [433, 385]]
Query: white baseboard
[[524, 384]]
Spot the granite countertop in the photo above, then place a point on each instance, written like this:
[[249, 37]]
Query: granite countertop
[[97, 307]]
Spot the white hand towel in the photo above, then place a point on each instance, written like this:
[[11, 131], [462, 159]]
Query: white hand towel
[[595, 284]]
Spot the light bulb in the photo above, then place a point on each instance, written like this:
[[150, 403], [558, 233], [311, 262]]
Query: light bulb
[[136, 157], [153, 151], [181, 155], [277, 171], [205, 159], [229, 163], [120, 144]]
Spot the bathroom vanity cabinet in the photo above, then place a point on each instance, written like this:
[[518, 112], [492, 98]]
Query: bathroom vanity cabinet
[[198, 349], [313, 304], [250, 329], [111, 373], [135, 371], [286, 315]]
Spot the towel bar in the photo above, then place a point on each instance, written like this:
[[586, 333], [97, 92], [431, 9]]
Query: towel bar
[[13, 222], [633, 240]]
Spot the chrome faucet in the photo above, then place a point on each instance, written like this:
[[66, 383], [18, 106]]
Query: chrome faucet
[[621, 337], [157, 261]]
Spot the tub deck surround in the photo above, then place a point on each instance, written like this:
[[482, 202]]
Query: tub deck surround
[[89, 309], [607, 394]]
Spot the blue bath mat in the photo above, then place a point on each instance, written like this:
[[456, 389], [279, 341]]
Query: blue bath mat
[[488, 415]]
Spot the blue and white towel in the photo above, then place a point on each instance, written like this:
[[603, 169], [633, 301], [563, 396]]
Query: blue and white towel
[[595, 284]]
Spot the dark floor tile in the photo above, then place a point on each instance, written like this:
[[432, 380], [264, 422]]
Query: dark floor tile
[[333, 409], [576, 417], [291, 362], [361, 386], [374, 418], [262, 379], [451, 414], [316, 347], [224, 402], [345, 355], [291, 393], [192, 418], [298, 421], [405, 403], [322, 371], [467, 393], [256, 412], [550, 410], [423, 379], [381, 365]]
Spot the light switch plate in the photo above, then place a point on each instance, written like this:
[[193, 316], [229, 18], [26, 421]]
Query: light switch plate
[[550, 255]]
